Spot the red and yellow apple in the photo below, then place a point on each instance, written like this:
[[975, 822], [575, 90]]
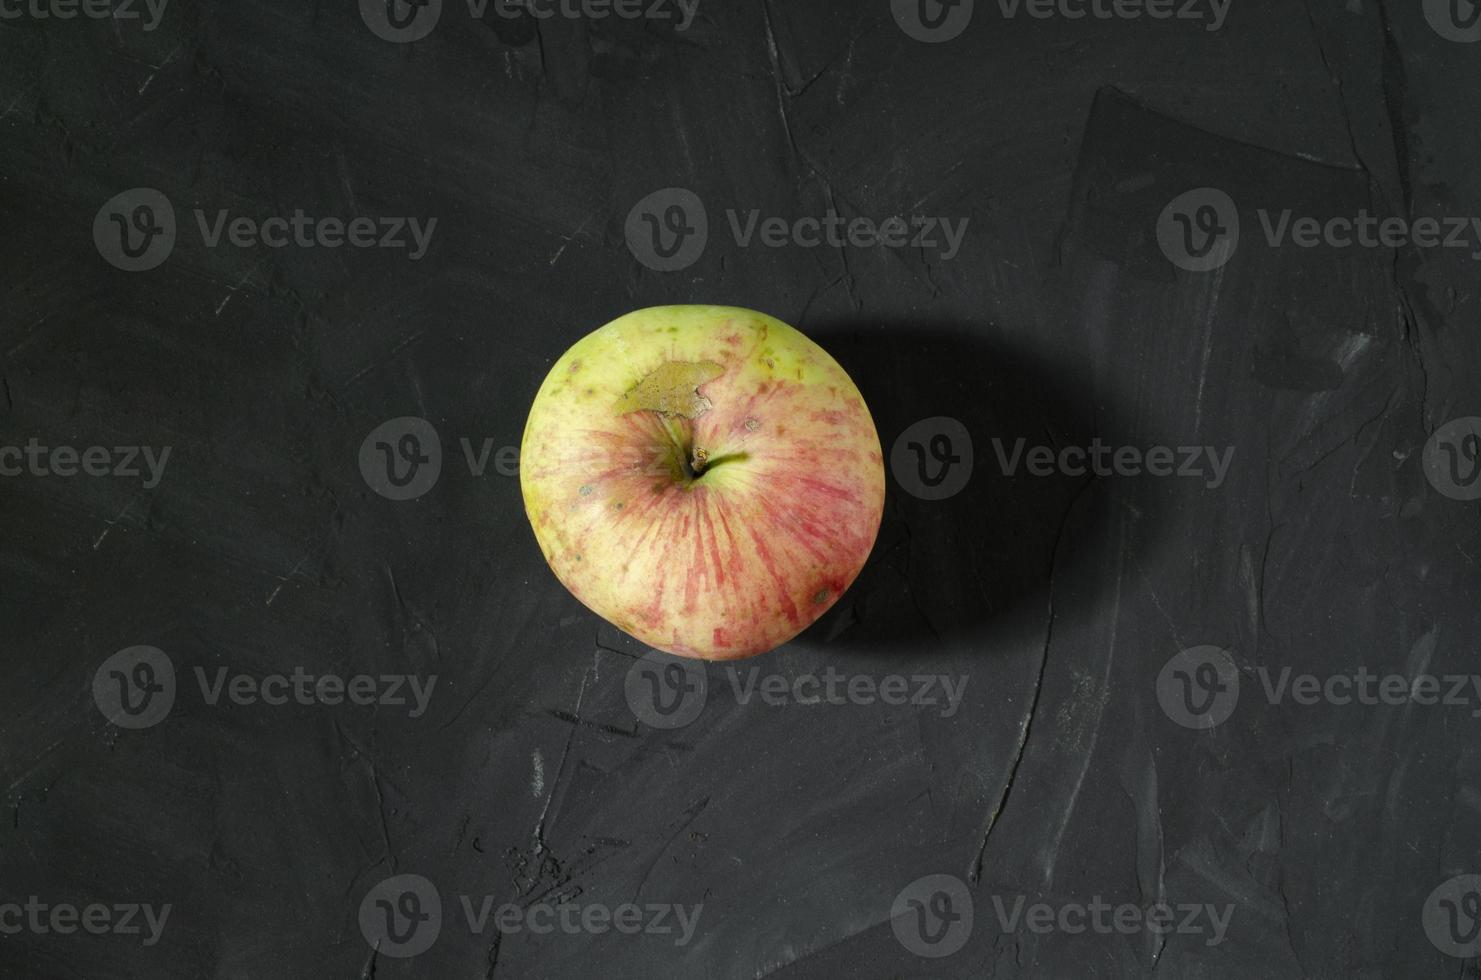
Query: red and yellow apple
[[705, 478]]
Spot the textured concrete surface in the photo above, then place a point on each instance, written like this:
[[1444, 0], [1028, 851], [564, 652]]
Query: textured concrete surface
[[1203, 713]]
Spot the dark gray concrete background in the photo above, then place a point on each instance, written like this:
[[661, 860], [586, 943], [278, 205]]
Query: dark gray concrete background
[[1330, 834]]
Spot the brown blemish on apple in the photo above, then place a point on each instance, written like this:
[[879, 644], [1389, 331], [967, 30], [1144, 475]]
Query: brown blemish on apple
[[821, 596], [585, 491], [752, 425], [575, 366], [672, 389]]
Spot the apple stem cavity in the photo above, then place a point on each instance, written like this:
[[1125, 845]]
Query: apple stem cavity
[[688, 462]]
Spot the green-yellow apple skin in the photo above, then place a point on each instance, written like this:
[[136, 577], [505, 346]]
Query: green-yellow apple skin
[[705, 478]]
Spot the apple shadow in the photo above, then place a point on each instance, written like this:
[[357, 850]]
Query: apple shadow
[[971, 535]]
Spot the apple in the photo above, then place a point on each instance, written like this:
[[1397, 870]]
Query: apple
[[705, 478]]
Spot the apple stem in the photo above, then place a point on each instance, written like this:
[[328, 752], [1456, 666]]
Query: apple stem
[[693, 464]]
